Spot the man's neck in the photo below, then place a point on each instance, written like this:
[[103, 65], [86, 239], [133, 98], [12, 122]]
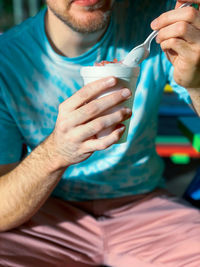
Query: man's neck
[[67, 42]]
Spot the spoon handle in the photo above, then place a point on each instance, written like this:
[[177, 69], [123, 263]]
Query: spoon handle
[[186, 4], [147, 42], [155, 33]]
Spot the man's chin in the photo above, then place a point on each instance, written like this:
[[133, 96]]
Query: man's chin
[[83, 19], [88, 22]]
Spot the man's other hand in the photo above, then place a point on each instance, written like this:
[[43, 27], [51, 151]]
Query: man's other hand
[[179, 37]]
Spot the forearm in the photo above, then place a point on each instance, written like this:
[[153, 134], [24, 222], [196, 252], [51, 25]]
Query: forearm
[[26, 188], [195, 97]]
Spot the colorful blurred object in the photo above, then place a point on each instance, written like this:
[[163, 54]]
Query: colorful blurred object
[[192, 193], [178, 129]]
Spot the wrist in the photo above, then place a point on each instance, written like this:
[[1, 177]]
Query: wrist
[[195, 97], [54, 161]]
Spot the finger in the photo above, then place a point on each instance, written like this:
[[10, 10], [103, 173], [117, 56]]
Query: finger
[[94, 127], [187, 53], [187, 14], [88, 92], [181, 30], [101, 144], [97, 106]]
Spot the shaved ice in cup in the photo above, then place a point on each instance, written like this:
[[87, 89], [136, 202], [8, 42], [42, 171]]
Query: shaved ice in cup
[[127, 77]]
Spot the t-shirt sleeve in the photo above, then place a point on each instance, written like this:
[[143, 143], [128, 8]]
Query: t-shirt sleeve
[[181, 91], [11, 141]]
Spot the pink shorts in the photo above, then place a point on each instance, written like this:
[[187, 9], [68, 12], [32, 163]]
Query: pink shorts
[[138, 231]]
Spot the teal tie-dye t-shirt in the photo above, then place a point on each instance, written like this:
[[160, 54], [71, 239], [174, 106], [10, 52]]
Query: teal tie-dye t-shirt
[[34, 80]]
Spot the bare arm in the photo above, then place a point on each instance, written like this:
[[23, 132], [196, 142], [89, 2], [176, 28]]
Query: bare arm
[[179, 37], [195, 97], [25, 188]]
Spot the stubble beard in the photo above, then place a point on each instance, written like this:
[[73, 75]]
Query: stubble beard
[[89, 25]]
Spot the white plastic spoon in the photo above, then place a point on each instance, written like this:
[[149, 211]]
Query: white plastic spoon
[[141, 52]]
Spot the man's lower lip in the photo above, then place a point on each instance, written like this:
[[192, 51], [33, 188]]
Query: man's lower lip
[[85, 2]]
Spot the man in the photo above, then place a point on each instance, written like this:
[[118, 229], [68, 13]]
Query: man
[[106, 205]]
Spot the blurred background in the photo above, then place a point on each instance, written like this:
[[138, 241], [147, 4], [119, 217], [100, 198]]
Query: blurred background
[[12, 12]]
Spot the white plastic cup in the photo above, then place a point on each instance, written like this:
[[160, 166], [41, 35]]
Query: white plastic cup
[[127, 77]]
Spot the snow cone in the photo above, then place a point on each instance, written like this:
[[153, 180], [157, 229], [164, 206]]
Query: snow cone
[[127, 77]]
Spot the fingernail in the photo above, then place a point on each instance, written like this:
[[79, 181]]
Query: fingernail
[[122, 128], [110, 81], [157, 40], [128, 111], [154, 24], [126, 93]]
